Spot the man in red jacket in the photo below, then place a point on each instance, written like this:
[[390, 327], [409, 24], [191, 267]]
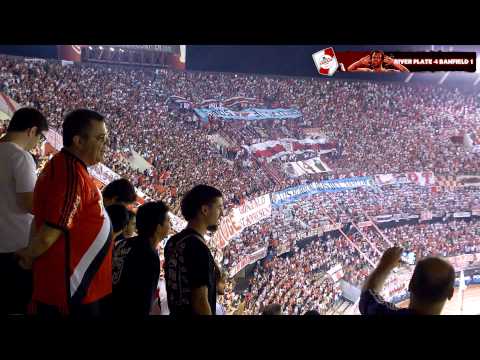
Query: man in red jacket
[[71, 246]]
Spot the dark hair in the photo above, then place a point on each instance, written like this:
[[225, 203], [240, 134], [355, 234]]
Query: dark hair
[[272, 309], [122, 189], [432, 280], [26, 118], [377, 52], [78, 122], [149, 215], [119, 216], [193, 201], [312, 312]]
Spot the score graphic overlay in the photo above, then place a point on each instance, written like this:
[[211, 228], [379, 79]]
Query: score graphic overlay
[[327, 62]]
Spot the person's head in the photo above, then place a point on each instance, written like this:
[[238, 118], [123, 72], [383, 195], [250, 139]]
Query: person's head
[[376, 57], [119, 217], [432, 284], [312, 312], [203, 204], [272, 309], [85, 134], [119, 191], [29, 127], [153, 221], [221, 279], [131, 226]]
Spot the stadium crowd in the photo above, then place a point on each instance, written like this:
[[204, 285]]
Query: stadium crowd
[[382, 137], [301, 273], [291, 222]]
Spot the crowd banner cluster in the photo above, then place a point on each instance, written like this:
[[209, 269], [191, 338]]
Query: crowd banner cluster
[[241, 217]]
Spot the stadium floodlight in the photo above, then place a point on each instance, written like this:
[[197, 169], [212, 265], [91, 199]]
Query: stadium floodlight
[[112, 49]]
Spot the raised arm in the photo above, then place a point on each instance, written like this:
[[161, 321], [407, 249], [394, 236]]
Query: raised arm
[[388, 262], [360, 65]]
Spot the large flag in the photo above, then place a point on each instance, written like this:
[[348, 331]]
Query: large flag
[[311, 166], [281, 147]]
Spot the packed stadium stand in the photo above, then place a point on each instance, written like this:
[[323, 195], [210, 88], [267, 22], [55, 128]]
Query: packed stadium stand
[[341, 171]]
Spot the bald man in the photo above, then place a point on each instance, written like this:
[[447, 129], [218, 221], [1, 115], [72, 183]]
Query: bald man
[[431, 285]]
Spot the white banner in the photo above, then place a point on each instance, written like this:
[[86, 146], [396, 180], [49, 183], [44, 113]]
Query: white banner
[[364, 224], [253, 211], [426, 215], [281, 147], [336, 272], [468, 180], [461, 214], [331, 227], [383, 218], [424, 178], [242, 217], [247, 260], [103, 174], [300, 168], [396, 284]]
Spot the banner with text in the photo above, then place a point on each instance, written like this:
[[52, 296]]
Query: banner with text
[[295, 193], [424, 178], [252, 114], [241, 217], [247, 260]]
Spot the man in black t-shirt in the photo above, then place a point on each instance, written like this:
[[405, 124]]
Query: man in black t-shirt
[[190, 275], [136, 265], [431, 285]]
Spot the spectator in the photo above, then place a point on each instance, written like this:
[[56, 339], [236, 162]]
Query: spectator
[[189, 264], [431, 285], [71, 248], [312, 313], [272, 309], [119, 191], [131, 226], [221, 276], [119, 217], [17, 182], [136, 265]]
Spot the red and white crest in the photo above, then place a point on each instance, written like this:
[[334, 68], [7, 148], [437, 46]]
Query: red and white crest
[[326, 61]]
